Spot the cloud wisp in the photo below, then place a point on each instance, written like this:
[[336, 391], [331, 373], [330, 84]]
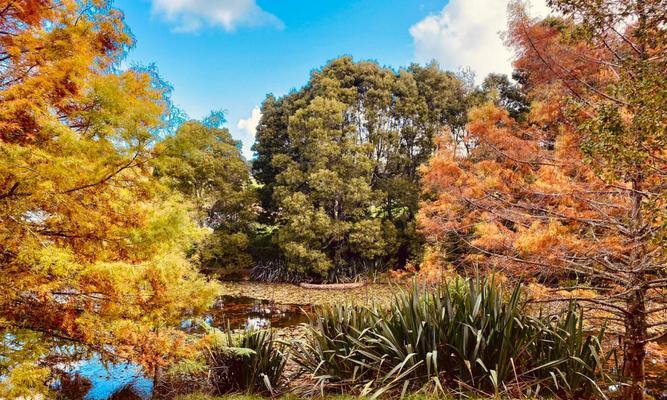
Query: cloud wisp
[[192, 15], [467, 33], [248, 129]]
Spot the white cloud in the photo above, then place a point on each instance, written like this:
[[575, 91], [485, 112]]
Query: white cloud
[[248, 128], [467, 33], [191, 15]]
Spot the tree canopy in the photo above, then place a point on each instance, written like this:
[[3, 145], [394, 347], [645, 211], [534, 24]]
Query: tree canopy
[[576, 190], [338, 162], [79, 264], [204, 163]]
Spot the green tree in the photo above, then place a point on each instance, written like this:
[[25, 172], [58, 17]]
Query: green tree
[[340, 157], [203, 162], [506, 94], [326, 197]]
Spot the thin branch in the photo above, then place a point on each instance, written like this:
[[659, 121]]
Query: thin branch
[[106, 178]]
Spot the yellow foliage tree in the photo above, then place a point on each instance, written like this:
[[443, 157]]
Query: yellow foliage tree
[[90, 244]]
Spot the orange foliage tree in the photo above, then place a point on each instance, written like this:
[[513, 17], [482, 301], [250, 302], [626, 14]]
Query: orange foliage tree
[[578, 190], [90, 244]]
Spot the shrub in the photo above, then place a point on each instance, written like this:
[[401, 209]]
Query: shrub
[[467, 334], [245, 362], [251, 362]]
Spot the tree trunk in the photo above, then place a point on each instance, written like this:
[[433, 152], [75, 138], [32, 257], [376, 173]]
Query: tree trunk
[[635, 346], [636, 331]]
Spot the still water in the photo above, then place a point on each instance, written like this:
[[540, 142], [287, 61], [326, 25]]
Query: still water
[[248, 312], [91, 379]]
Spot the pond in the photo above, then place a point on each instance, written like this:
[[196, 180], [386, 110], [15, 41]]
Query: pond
[[248, 312], [91, 379]]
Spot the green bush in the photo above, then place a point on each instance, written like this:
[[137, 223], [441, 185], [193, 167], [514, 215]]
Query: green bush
[[249, 362], [466, 335]]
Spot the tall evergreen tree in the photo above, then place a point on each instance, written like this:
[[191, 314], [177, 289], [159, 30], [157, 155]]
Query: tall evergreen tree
[[338, 161]]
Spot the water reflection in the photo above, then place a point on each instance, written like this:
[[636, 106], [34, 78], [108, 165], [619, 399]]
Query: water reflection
[[91, 379], [248, 312]]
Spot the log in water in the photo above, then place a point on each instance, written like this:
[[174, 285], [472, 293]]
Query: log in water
[[332, 286]]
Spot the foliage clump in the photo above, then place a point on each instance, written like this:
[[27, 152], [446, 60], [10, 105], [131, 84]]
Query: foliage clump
[[466, 335], [204, 163], [338, 163], [252, 361]]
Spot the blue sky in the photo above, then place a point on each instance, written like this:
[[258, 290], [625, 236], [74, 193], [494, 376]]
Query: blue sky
[[228, 54]]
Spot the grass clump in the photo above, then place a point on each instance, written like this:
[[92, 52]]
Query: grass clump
[[466, 335], [254, 363], [250, 362]]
